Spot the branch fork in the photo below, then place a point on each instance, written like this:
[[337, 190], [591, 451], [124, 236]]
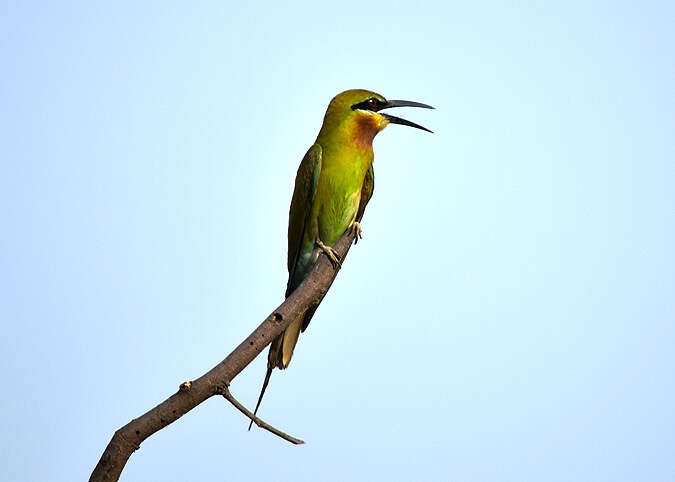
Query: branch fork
[[216, 381]]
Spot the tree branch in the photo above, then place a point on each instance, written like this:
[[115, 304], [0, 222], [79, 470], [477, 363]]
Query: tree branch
[[225, 392], [129, 438]]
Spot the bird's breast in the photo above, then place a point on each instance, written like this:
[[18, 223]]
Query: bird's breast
[[339, 192]]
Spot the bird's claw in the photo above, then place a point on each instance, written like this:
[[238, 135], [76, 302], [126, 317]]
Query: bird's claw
[[330, 253], [356, 231]]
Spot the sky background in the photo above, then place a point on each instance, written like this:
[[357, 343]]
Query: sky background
[[508, 316]]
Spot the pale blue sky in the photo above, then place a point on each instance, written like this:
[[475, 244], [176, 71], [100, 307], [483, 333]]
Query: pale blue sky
[[509, 315]]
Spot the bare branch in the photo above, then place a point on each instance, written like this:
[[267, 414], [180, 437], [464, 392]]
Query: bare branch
[[225, 392], [129, 438]]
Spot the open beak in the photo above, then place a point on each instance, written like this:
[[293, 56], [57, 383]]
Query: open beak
[[398, 120]]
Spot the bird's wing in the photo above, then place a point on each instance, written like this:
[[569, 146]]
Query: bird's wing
[[366, 192], [301, 207]]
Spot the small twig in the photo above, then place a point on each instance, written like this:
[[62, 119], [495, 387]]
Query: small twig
[[128, 438], [225, 392]]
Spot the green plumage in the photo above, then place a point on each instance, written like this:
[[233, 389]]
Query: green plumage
[[333, 184], [331, 191]]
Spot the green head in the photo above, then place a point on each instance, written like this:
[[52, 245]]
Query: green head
[[354, 115]]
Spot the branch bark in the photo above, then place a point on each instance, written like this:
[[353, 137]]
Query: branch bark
[[128, 439]]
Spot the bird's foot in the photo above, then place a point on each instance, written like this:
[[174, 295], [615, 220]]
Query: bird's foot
[[330, 252], [356, 230]]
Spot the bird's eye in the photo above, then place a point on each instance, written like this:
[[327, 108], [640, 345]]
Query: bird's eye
[[372, 102]]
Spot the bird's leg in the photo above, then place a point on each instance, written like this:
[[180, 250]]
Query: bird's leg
[[356, 227], [330, 252]]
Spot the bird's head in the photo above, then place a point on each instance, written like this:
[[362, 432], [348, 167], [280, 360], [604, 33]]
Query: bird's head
[[355, 114]]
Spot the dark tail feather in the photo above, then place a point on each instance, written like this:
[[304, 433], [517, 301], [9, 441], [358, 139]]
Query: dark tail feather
[[262, 392]]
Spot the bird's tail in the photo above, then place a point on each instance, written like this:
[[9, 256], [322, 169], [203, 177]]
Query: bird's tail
[[262, 392], [281, 351]]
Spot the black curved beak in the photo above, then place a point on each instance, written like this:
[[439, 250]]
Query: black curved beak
[[398, 120]]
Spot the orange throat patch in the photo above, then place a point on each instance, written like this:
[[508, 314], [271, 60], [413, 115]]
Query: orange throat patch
[[367, 127]]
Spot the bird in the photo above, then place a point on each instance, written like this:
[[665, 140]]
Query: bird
[[333, 185]]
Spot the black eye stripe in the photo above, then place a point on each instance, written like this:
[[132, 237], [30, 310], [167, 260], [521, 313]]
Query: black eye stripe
[[367, 105]]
